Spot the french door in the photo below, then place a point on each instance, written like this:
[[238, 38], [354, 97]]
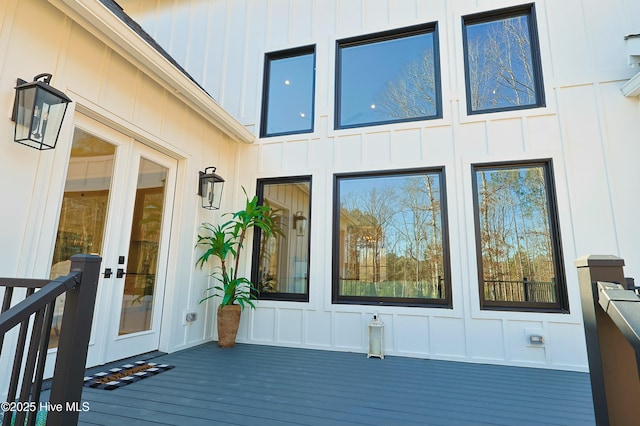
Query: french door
[[118, 203]]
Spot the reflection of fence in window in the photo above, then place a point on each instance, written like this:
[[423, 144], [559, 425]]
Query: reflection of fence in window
[[399, 289], [520, 291]]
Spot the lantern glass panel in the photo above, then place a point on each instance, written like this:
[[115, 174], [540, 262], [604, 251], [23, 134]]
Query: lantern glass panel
[[211, 191], [375, 340], [39, 117], [49, 122], [24, 117]]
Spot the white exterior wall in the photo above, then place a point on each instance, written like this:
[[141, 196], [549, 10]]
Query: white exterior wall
[[111, 94], [588, 128]]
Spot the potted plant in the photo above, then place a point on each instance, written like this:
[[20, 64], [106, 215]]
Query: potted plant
[[225, 242]]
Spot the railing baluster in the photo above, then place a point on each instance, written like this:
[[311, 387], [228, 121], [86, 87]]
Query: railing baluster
[[17, 361], [6, 300], [6, 303], [30, 365], [42, 358]]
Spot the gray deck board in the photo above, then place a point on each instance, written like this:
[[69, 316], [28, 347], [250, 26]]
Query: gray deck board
[[266, 385]]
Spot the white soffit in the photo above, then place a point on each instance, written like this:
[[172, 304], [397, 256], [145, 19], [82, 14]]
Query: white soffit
[[101, 22]]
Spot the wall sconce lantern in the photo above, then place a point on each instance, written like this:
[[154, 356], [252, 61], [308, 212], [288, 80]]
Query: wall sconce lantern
[[210, 189], [376, 338], [299, 223], [38, 111]]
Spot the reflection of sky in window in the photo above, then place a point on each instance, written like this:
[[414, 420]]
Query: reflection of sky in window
[[502, 50], [365, 71], [290, 98], [350, 187]]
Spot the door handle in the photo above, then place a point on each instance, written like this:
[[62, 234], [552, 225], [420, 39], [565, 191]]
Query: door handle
[[107, 273], [120, 273]]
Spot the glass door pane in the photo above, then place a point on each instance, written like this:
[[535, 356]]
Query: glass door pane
[[84, 209], [142, 260]]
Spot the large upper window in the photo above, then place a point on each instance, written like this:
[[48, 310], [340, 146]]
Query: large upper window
[[390, 239], [502, 60], [281, 262], [288, 92], [388, 77], [518, 240]]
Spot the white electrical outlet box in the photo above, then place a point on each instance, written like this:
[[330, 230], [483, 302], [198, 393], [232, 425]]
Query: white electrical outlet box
[[189, 317], [535, 336]]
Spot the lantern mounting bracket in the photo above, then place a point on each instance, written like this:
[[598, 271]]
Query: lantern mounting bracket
[[14, 114]]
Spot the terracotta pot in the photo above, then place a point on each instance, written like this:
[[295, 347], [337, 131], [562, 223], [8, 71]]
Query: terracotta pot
[[228, 323]]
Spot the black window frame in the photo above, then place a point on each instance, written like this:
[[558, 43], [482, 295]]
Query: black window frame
[[431, 27], [255, 261], [562, 304], [536, 61], [274, 56], [443, 303]]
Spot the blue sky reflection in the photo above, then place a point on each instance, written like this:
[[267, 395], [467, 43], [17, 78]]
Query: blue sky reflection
[[368, 69], [290, 97]]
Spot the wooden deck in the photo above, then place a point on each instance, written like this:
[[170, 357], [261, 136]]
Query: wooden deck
[[265, 385]]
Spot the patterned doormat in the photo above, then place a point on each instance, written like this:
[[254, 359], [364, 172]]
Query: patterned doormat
[[115, 378]]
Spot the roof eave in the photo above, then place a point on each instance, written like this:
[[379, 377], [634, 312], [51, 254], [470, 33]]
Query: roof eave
[[98, 20]]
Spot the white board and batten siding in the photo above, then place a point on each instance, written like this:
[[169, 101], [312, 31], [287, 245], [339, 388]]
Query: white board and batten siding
[[587, 127], [118, 102]]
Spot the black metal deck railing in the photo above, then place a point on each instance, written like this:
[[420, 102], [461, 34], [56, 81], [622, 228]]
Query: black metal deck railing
[[611, 312], [523, 290], [33, 317]]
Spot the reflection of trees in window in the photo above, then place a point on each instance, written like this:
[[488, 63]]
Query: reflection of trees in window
[[281, 262], [500, 64], [145, 242], [272, 274], [82, 219], [424, 232], [516, 248], [370, 212], [412, 93], [388, 77], [392, 239]]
